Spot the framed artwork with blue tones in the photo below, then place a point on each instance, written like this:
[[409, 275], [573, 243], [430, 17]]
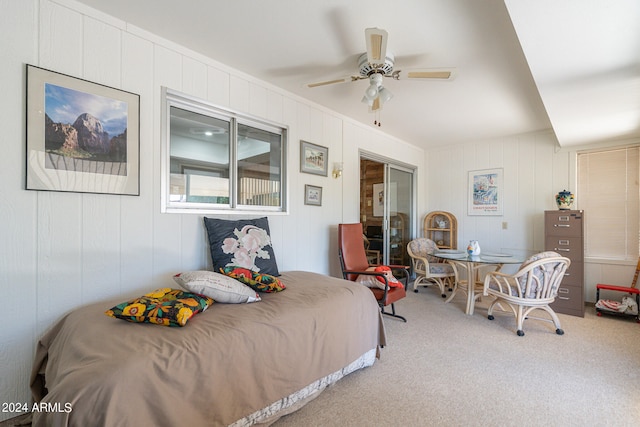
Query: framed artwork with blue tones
[[81, 136], [485, 192]]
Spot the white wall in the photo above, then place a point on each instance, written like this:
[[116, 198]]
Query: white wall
[[532, 174], [61, 250], [535, 170]]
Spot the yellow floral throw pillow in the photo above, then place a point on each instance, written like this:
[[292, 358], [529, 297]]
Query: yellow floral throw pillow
[[166, 306]]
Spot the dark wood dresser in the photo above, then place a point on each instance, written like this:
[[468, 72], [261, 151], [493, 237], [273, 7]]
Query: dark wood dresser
[[564, 233]]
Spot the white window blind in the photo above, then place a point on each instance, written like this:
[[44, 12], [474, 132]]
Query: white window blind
[[609, 193]]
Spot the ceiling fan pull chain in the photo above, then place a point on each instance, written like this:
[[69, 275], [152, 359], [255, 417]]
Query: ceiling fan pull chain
[[376, 121]]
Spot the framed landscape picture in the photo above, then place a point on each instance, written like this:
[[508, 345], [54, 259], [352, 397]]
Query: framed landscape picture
[[81, 136], [313, 158], [485, 192]]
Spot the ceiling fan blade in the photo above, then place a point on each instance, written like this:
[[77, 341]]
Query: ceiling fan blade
[[376, 45], [437, 74], [345, 79], [376, 104]]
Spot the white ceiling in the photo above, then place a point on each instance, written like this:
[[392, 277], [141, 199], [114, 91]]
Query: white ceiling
[[582, 76]]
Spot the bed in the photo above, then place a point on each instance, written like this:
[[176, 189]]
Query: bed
[[233, 364]]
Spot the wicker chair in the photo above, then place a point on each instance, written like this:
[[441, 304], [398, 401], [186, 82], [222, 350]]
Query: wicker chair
[[533, 287], [428, 269]]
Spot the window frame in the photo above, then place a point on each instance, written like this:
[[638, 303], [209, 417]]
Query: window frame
[[172, 98]]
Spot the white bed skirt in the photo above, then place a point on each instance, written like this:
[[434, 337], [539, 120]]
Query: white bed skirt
[[297, 400]]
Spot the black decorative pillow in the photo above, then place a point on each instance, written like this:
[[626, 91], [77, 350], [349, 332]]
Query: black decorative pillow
[[244, 243]]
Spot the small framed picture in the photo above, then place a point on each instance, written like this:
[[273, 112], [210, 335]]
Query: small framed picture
[[313, 158], [312, 195]]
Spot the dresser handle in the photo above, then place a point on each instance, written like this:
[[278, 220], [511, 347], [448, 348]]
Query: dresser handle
[[561, 225], [562, 250], [563, 242], [563, 290], [564, 298]]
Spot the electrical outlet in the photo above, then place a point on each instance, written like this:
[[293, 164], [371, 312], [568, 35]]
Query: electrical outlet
[[505, 225]]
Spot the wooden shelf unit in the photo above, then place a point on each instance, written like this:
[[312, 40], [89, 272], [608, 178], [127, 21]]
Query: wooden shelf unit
[[445, 237]]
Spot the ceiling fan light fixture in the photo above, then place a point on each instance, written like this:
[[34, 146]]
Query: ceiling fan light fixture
[[376, 95], [384, 94], [371, 92], [375, 83]]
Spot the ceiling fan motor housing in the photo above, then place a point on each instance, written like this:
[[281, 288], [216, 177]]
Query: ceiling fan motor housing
[[366, 68]]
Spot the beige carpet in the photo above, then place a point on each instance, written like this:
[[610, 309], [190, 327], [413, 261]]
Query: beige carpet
[[444, 368]]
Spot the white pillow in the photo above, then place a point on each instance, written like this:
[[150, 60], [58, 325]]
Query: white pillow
[[214, 285], [370, 281]]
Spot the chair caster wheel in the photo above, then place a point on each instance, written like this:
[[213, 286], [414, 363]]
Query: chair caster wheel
[[599, 314], [490, 317], [520, 333], [559, 331], [443, 295], [415, 290]]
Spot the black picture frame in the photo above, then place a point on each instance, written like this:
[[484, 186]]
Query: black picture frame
[[81, 136]]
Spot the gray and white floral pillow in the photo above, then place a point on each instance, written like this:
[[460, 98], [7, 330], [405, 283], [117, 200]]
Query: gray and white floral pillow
[[242, 243]]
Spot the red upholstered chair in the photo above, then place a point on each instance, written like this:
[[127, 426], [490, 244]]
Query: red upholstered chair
[[631, 290], [354, 263]]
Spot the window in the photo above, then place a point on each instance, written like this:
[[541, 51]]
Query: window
[[215, 160], [608, 192]]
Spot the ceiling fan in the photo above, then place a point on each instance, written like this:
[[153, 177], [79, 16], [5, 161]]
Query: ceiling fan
[[376, 64]]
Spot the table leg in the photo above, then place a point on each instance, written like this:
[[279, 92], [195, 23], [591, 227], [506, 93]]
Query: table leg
[[473, 270], [470, 291], [471, 287]]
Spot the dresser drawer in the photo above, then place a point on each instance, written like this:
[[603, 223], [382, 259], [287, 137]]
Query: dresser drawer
[[563, 224], [569, 300], [574, 276], [570, 247]]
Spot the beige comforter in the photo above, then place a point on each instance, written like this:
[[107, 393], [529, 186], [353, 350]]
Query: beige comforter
[[225, 364]]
